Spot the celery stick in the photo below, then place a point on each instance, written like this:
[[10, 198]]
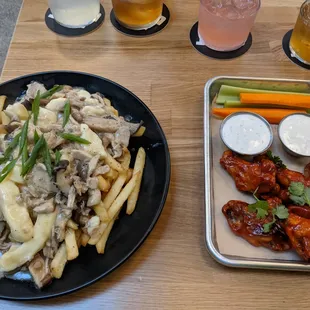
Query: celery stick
[[232, 94]]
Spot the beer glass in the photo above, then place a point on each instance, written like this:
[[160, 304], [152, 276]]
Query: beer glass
[[300, 40], [137, 14]]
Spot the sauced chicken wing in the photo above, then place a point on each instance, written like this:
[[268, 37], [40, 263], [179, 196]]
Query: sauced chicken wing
[[246, 225], [298, 230], [286, 176], [251, 176]]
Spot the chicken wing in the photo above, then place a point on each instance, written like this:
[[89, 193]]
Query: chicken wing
[[298, 230], [286, 176], [249, 177], [245, 224]]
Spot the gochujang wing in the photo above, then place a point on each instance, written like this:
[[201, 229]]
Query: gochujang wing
[[285, 177], [246, 225], [298, 230], [251, 176]]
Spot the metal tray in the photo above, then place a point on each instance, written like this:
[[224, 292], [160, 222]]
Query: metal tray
[[239, 253]]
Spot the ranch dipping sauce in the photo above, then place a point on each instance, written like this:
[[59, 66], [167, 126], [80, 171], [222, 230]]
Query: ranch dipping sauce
[[294, 133], [246, 133]]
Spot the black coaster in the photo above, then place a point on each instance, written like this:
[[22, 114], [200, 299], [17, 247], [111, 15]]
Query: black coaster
[[72, 32], [203, 49], [286, 48], [141, 33]]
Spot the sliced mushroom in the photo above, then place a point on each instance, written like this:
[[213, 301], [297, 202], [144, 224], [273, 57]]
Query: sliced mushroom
[[53, 139], [63, 181], [82, 168], [33, 89], [13, 125], [77, 115], [92, 183], [46, 207], [92, 224], [101, 170], [122, 136], [62, 165], [40, 271], [39, 182], [50, 127], [71, 198], [94, 197], [92, 165], [102, 124], [81, 155]]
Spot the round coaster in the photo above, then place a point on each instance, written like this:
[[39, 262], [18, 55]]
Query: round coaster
[[203, 49], [142, 33], [286, 48], [72, 32]]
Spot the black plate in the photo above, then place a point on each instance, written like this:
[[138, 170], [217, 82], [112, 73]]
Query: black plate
[[129, 232]]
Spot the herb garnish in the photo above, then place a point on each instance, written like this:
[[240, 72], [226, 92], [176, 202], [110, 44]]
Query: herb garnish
[[74, 138], [275, 159], [261, 208], [36, 108], [66, 115], [51, 91], [299, 193]]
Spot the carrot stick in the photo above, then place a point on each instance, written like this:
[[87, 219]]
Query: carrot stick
[[273, 116], [290, 100]]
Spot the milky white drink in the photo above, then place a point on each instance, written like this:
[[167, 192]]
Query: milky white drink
[[294, 133], [75, 13], [246, 133]]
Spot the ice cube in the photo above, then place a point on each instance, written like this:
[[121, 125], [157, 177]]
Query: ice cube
[[245, 4]]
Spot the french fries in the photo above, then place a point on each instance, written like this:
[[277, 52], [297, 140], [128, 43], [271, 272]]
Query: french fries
[[111, 175], [129, 175], [139, 167], [4, 118], [123, 196], [84, 239], [97, 235], [72, 224], [109, 160], [3, 130], [140, 132], [114, 190], [100, 246], [71, 244], [2, 102], [103, 184], [59, 262], [78, 234]]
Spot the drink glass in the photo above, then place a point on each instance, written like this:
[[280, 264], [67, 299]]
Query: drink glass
[[75, 13], [224, 25], [138, 14], [300, 40]]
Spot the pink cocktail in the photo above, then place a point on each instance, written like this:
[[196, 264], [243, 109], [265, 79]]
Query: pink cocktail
[[224, 25]]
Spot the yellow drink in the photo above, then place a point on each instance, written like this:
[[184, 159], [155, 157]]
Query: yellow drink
[[138, 14], [300, 40]]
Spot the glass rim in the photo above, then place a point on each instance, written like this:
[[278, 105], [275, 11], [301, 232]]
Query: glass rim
[[301, 12], [253, 13]]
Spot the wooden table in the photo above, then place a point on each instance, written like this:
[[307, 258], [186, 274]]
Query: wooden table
[[172, 270]]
